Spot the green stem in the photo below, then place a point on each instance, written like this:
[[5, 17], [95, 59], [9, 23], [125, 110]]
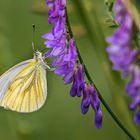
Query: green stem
[[113, 115]]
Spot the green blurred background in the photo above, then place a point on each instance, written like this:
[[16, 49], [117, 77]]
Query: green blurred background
[[60, 118]]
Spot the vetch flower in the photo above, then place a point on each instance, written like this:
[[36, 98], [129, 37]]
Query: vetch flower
[[66, 63], [121, 41], [137, 117], [86, 99], [90, 97], [78, 81], [62, 48], [124, 54], [63, 51], [133, 86]]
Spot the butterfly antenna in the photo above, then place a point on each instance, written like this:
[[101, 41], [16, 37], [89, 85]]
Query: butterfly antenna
[[33, 39]]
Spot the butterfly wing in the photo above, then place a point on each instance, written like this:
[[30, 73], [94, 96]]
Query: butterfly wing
[[28, 90], [7, 77]]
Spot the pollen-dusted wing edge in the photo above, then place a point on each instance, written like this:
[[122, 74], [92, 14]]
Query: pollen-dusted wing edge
[[26, 89]]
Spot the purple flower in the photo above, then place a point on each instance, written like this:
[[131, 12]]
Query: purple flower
[[86, 99], [124, 55], [90, 97], [137, 117], [121, 41], [133, 86], [66, 63], [95, 103], [78, 81], [118, 57], [63, 51], [49, 3], [98, 119], [56, 11], [133, 89]]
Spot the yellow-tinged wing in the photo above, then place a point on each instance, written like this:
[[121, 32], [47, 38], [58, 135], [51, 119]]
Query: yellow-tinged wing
[[8, 76], [28, 90]]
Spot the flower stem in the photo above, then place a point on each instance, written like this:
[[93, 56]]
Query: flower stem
[[113, 115]]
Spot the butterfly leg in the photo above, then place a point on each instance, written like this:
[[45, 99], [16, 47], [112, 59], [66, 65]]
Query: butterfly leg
[[49, 68]]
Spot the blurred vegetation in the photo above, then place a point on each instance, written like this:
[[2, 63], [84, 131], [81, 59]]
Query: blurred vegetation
[[60, 118]]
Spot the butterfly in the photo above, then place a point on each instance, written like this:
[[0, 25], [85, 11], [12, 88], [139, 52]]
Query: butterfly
[[23, 88]]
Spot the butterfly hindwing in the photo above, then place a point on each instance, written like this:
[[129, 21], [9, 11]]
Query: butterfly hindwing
[[28, 89]]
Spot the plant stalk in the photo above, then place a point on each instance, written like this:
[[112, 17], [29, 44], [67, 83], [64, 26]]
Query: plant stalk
[[113, 115]]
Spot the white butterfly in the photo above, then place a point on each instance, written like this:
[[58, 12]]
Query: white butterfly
[[23, 88]]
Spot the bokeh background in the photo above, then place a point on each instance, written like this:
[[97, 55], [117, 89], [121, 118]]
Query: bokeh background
[[60, 118]]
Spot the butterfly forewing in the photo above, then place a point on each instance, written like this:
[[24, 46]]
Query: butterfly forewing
[[8, 76], [27, 91]]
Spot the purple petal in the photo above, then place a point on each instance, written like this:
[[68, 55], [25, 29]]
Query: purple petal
[[98, 119], [50, 3], [59, 61], [61, 70], [95, 102], [80, 80], [72, 53], [86, 99], [57, 51], [137, 117], [68, 78], [73, 91], [48, 36]]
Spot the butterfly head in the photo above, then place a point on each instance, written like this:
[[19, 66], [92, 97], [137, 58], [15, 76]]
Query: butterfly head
[[38, 55], [40, 59]]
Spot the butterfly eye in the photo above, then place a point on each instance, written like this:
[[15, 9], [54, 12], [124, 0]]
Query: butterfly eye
[[38, 54]]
